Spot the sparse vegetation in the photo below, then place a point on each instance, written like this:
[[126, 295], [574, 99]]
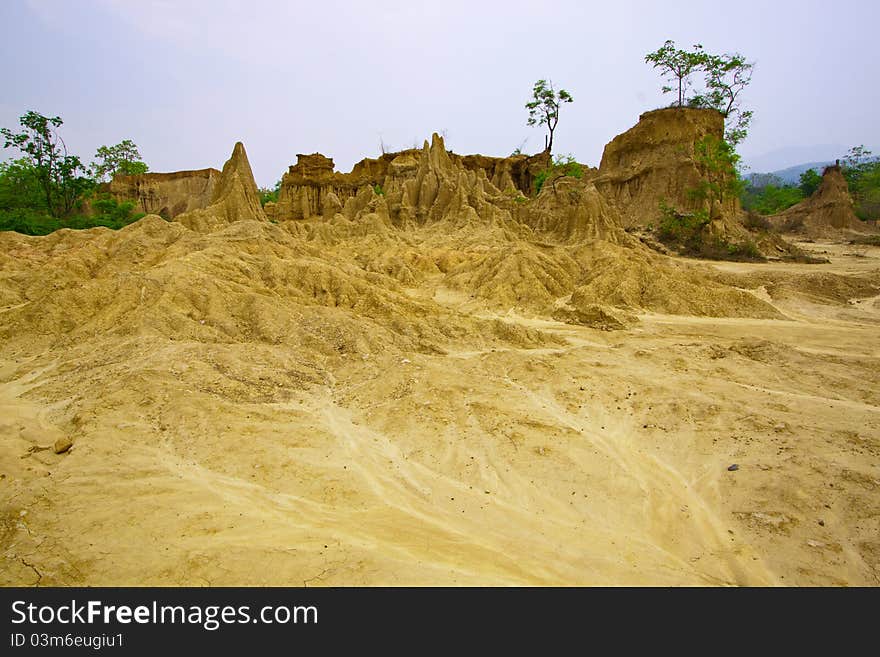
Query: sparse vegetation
[[377, 189], [109, 213], [870, 240], [685, 233]]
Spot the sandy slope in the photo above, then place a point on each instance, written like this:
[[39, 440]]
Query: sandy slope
[[597, 458]]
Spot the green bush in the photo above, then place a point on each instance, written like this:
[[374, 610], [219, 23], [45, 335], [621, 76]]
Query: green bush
[[680, 228], [268, 195], [684, 232], [27, 221], [809, 182], [112, 213], [721, 250], [770, 199], [562, 165], [540, 179], [109, 213], [378, 190]]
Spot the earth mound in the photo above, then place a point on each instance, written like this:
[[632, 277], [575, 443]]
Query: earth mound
[[828, 213], [654, 161]]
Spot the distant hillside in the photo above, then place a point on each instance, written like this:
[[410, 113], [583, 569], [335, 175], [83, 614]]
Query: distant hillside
[[788, 176]]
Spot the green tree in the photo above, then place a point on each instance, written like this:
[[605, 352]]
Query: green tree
[[122, 159], [20, 186], [862, 173], [772, 199], [58, 172], [726, 76], [856, 162], [677, 66], [268, 195], [809, 182], [544, 108]]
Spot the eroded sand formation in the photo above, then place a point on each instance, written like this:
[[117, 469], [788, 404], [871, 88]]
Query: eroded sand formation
[[827, 214], [414, 374]]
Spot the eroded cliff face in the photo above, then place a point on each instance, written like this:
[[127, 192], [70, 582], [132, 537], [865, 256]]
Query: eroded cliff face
[[313, 188], [654, 161], [827, 213], [166, 194]]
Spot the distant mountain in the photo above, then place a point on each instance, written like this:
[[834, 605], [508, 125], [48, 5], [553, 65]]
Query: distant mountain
[[787, 176], [788, 156], [792, 175]]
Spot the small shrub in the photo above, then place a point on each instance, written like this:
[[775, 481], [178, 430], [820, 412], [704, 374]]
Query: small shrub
[[268, 196], [679, 228], [540, 179], [684, 232], [721, 250], [378, 190], [562, 165], [756, 223]]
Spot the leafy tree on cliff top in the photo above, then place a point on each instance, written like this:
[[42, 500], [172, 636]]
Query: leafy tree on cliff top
[[544, 108], [122, 159], [677, 65], [725, 77]]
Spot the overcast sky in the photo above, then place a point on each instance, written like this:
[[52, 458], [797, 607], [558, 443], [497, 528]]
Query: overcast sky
[[186, 79]]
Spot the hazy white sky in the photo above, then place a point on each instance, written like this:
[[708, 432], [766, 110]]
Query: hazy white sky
[[186, 79]]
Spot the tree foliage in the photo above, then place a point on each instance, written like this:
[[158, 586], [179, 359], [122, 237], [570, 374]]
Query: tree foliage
[[724, 79], [677, 66], [770, 199], [544, 108], [48, 188], [269, 195], [718, 162], [862, 172], [809, 182], [20, 186], [122, 159], [60, 175]]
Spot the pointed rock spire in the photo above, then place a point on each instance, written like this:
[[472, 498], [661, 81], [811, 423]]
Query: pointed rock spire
[[235, 198]]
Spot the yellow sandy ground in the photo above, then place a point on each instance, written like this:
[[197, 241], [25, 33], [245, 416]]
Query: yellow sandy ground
[[601, 460]]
